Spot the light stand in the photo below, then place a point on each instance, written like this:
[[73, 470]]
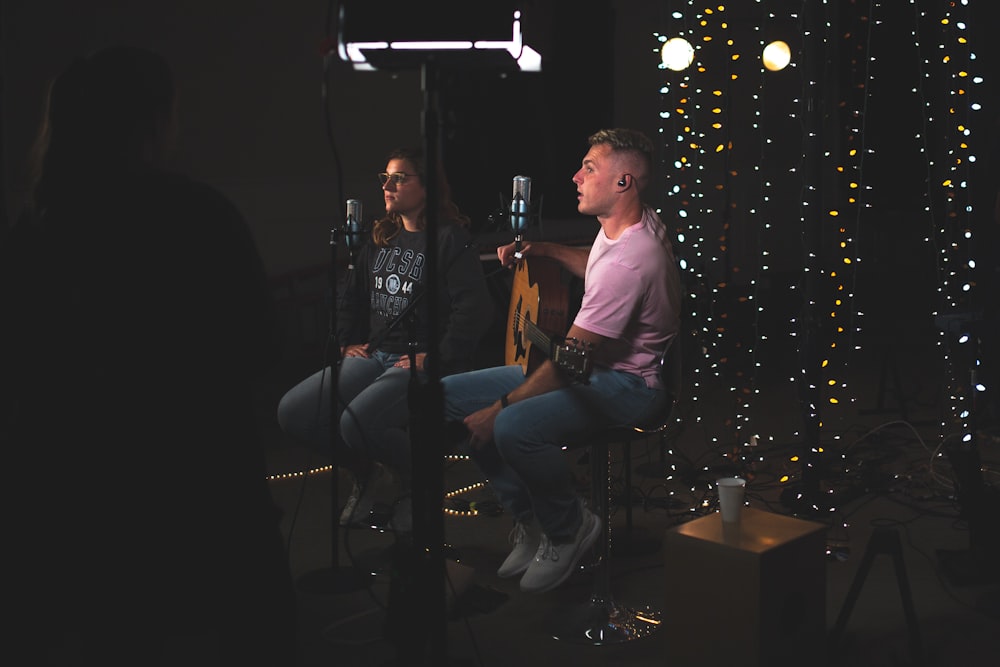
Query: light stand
[[418, 620], [337, 578], [407, 35]]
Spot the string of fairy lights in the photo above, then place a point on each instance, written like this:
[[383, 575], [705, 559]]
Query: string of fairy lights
[[950, 115], [466, 509], [702, 127], [852, 201], [699, 132], [705, 132], [779, 54]]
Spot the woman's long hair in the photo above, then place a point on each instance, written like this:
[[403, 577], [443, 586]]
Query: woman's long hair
[[388, 227], [110, 111]]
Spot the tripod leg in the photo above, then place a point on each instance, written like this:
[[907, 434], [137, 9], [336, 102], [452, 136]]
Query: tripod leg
[[883, 541], [916, 647], [852, 596]]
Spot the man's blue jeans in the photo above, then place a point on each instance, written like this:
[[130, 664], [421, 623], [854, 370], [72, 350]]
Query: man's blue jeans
[[526, 464]]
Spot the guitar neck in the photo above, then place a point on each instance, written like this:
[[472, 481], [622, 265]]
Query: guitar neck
[[538, 338]]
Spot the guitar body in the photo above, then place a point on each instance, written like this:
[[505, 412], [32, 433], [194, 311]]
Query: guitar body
[[538, 295]]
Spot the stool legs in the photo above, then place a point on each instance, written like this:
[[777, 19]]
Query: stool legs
[[602, 620]]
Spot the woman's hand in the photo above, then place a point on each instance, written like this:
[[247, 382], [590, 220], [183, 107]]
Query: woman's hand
[[404, 361], [356, 350]]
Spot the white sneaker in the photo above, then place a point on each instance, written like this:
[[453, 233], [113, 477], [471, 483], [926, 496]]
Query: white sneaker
[[525, 538], [554, 563], [362, 499]]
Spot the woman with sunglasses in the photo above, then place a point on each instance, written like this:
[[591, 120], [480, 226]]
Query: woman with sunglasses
[[383, 323]]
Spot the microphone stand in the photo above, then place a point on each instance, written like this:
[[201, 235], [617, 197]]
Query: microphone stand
[[336, 578]]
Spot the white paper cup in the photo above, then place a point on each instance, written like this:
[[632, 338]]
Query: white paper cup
[[731, 493]]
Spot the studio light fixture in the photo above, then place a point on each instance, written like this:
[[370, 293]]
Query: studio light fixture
[[393, 34]]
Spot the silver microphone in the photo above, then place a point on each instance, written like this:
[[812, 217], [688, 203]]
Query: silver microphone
[[352, 228], [520, 204]]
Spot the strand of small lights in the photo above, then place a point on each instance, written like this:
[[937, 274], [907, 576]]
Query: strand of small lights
[[844, 166], [763, 242], [924, 148], [962, 117], [932, 237], [796, 169], [327, 468], [814, 44], [732, 302], [763, 227], [678, 111], [698, 133], [471, 512], [966, 102], [729, 300], [298, 473], [741, 284], [797, 323], [858, 43], [948, 199], [677, 116], [773, 109], [769, 113]]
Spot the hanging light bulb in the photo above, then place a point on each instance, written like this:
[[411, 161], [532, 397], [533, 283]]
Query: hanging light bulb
[[677, 54], [776, 56]]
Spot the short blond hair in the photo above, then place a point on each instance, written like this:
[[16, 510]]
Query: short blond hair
[[633, 143]]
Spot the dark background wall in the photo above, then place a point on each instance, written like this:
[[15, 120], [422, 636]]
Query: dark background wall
[[254, 119], [255, 125]]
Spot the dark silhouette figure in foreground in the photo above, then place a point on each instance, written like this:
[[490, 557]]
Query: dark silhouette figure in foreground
[[136, 317]]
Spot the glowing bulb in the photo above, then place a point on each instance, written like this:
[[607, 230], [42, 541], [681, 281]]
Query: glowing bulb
[[677, 54], [776, 56]]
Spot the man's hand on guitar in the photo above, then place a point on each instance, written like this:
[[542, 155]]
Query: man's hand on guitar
[[509, 255], [480, 425]]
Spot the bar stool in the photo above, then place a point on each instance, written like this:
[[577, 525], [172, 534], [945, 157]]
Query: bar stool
[[603, 620]]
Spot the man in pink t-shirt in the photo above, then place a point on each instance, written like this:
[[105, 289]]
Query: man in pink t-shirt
[[629, 314]]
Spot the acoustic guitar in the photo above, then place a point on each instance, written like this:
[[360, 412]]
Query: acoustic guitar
[[539, 304]]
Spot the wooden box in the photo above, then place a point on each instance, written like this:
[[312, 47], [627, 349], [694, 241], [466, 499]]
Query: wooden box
[[745, 594]]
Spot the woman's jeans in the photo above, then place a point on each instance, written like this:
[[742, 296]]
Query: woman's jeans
[[373, 425], [526, 464]]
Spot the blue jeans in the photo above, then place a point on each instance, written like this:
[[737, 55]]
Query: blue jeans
[[526, 464], [374, 422]]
